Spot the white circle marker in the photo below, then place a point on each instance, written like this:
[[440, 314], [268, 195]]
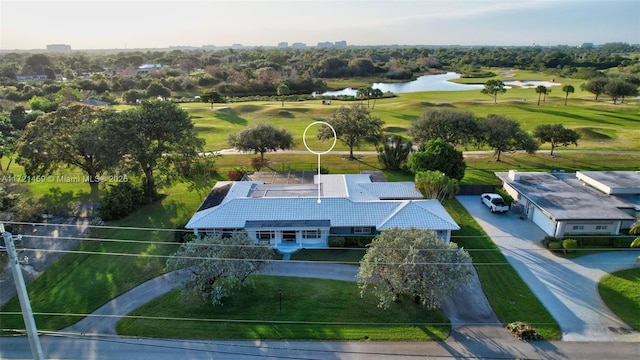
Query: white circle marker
[[304, 140]]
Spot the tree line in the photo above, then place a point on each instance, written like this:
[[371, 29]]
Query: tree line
[[259, 71]]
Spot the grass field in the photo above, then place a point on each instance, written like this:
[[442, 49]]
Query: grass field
[[601, 124], [79, 283], [621, 292], [311, 310]]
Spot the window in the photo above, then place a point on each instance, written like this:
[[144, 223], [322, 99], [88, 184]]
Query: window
[[601, 227], [362, 230], [311, 234], [578, 227], [265, 236], [288, 235]]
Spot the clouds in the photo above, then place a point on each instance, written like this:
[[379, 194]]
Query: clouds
[[142, 23]]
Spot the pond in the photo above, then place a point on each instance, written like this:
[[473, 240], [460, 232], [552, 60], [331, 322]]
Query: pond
[[438, 82]]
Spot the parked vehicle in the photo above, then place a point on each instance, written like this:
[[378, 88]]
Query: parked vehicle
[[494, 202]]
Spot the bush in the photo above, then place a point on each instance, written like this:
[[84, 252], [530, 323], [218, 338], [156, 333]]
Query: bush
[[236, 174], [570, 245], [120, 200], [505, 196], [336, 241], [523, 331], [621, 242], [554, 245], [547, 240]]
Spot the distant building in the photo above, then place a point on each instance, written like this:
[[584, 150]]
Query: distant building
[[209, 47], [283, 44], [32, 78], [237, 46], [340, 44], [58, 48], [148, 68], [298, 45], [325, 44]]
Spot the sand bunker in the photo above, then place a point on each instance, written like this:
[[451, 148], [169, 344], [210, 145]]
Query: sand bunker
[[531, 83]]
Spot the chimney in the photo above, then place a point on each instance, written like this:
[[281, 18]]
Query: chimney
[[514, 175]]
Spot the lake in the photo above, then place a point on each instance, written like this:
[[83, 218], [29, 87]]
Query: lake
[[438, 82]]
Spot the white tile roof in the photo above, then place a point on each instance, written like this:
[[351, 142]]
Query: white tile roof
[[362, 207]]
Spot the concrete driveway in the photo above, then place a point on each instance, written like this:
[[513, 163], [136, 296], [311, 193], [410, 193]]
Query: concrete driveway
[[567, 288]]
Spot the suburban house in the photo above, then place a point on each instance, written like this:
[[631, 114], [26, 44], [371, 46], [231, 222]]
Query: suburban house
[[294, 216], [585, 202], [145, 69]]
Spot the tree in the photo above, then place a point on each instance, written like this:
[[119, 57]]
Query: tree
[[362, 93], [211, 96], [71, 136], [504, 134], [493, 88], [8, 139], [541, 89], [413, 262], [596, 86], [155, 90], [453, 126], [567, 89], [441, 156], [375, 94], [556, 135], [43, 104], [436, 185], [133, 96], [218, 264], [282, 90], [261, 138], [353, 125], [394, 152], [153, 136], [618, 88]]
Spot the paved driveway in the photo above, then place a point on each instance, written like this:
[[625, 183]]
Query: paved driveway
[[567, 288]]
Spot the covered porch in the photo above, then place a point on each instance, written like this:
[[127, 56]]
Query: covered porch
[[290, 236]]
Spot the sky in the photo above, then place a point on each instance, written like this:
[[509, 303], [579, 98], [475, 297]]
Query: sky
[[94, 24]]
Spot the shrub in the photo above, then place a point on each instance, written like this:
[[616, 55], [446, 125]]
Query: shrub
[[505, 196], [569, 245], [554, 245], [120, 200], [258, 163], [547, 240], [523, 331], [337, 241], [621, 242], [236, 174]]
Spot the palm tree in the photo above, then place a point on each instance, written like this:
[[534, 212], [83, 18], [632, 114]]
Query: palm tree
[[282, 91], [361, 93], [567, 89], [541, 89], [376, 93]]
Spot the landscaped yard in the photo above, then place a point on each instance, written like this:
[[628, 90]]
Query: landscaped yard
[[621, 292], [311, 309]]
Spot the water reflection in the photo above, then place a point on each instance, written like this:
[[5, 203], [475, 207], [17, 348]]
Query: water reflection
[[438, 82]]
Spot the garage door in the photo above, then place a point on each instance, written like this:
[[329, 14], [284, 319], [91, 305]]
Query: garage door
[[547, 225]]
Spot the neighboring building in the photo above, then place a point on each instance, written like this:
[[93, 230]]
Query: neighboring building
[[148, 69], [32, 78], [325, 44], [298, 45], [283, 45], [289, 216], [585, 202]]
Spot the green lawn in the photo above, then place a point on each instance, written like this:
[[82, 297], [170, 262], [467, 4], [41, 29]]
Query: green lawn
[[311, 310], [79, 283], [621, 292]]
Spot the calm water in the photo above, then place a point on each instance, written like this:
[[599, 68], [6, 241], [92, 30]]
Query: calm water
[[438, 82]]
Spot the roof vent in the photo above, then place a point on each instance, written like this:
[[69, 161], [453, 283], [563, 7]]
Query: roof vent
[[514, 175]]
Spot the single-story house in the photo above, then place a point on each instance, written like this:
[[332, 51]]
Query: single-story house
[[293, 216], [585, 202]]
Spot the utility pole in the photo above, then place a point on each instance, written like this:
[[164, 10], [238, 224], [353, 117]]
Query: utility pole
[[25, 305]]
